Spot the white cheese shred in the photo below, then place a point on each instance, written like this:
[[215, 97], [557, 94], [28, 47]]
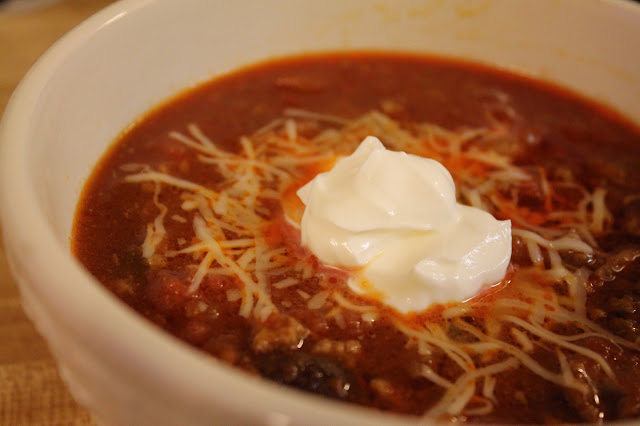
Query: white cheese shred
[[229, 218]]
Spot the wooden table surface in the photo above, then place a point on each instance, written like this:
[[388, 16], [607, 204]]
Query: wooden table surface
[[31, 391]]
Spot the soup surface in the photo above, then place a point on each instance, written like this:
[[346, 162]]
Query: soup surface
[[192, 220]]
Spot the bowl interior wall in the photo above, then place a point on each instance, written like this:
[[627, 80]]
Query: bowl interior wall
[[113, 75]]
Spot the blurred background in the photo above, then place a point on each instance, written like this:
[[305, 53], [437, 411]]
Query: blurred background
[[31, 391]]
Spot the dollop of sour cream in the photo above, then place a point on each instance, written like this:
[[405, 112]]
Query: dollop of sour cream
[[394, 217]]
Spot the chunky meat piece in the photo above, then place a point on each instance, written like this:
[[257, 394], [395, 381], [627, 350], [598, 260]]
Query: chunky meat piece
[[606, 397], [589, 405], [312, 373], [614, 299], [166, 291], [347, 351], [278, 332]]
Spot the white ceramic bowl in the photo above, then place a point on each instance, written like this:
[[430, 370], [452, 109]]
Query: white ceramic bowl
[[122, 61]]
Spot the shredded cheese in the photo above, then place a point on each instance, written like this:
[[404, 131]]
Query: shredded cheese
[[229, 239]]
